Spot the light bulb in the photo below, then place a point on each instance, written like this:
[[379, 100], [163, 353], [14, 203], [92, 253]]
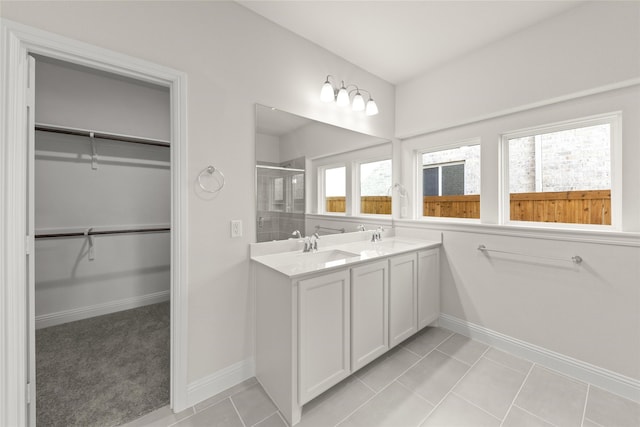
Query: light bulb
[[358, 102], [372, 108], [327, 94], [343, 97]]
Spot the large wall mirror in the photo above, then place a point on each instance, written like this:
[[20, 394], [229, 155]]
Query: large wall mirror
[[307, 167]]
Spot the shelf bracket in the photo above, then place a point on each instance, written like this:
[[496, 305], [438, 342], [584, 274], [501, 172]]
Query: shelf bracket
[[94, 154], [92, 251]]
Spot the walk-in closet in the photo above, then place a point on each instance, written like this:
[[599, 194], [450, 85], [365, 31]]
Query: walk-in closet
[[102, 198]]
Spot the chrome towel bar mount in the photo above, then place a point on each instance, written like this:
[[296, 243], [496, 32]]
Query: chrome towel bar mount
[[211, 172]]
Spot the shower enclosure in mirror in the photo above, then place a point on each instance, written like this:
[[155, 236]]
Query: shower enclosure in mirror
[[292, 155], [280, 198]]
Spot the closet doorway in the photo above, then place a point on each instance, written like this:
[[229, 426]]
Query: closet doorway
[[101, 215]]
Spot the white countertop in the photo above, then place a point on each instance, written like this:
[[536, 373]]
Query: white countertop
[[331, 257]]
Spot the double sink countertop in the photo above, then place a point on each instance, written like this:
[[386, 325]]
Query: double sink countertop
[[334, 255]]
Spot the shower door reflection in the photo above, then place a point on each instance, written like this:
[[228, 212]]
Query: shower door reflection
[[281, 200]]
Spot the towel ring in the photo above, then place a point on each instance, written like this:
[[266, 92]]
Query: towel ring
[[210, 170]]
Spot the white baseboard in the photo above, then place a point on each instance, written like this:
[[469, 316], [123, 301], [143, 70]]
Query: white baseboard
[[221, 380], [60, 317], [603, 378]]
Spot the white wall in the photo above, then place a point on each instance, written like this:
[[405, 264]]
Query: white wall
[[556, 307], [73, 96], [233, 59], [590, 313], [129, 189], [267, 148], [591, 45], [321, 140]]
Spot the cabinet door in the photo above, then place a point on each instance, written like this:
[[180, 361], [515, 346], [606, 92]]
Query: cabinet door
[[428, 287], [369, 312], [323, 333], [403, 319]]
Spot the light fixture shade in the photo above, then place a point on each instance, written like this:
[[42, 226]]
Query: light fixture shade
[[358, 102], [327, 94], [343, 97], [372, 108]]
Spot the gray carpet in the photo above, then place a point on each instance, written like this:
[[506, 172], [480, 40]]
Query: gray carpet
[[103, 371]]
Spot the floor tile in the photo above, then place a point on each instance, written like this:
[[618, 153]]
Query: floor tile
[[588, 423], [253, 404], [274, 420], [456, 412], [335, 404], [463, 348], [226, 393], [490, 386], [553, 397], [222, 414], [519, 418], [434, 376], [384, 370], [609, 409], [426, 340], [508, 360], [395, 406], [160, 418]]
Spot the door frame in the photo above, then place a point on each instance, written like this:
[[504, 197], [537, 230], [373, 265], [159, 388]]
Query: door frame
[[17, 41]]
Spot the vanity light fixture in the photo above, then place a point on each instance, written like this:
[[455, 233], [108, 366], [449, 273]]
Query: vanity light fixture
[[342, 97]]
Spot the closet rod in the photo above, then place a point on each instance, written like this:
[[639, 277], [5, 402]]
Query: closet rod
[[95, 233], [110, 136]]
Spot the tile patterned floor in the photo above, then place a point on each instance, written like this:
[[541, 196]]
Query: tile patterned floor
[[436, 378]]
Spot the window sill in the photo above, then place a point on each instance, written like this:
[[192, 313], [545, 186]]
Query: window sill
[[599, 236]]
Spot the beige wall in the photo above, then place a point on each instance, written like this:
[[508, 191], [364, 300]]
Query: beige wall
[[233, 59]]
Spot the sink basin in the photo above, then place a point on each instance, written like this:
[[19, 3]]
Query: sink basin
[[384, 247], [325, 256], [395, 244], [328, 258]]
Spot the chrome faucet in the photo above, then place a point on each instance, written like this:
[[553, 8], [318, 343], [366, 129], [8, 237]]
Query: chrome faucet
[[311, 243], [361, 227], [376, 236], [297, 234]]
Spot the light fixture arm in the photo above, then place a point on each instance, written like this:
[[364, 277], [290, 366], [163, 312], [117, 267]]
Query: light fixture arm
[[358, 90], [343, 96]]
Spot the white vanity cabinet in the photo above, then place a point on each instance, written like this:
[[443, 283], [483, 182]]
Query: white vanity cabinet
[[403, 291], [323, 332], [315, 327], [369, 312], [428, 287]]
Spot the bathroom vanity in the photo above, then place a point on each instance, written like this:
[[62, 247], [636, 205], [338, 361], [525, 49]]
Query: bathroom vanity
[[321, 316]]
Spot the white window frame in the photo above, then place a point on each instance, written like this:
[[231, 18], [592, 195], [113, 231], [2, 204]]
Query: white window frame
[[356, 184], [613, 119], [322, 201], [417, 179]]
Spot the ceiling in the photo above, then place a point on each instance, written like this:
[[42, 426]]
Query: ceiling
[[270, 121], [400, 40]]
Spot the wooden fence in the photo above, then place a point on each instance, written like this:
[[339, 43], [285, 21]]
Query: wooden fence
[[336, 204], [368, 204], [452, 206], [581, 207]]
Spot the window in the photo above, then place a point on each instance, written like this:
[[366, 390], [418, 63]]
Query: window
[[335, 189], [451, 182], [561, 174], [375, 183], [443, 180]]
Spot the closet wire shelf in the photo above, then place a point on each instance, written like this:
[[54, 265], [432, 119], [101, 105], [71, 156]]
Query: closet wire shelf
[[102, 135], [101, 232]]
